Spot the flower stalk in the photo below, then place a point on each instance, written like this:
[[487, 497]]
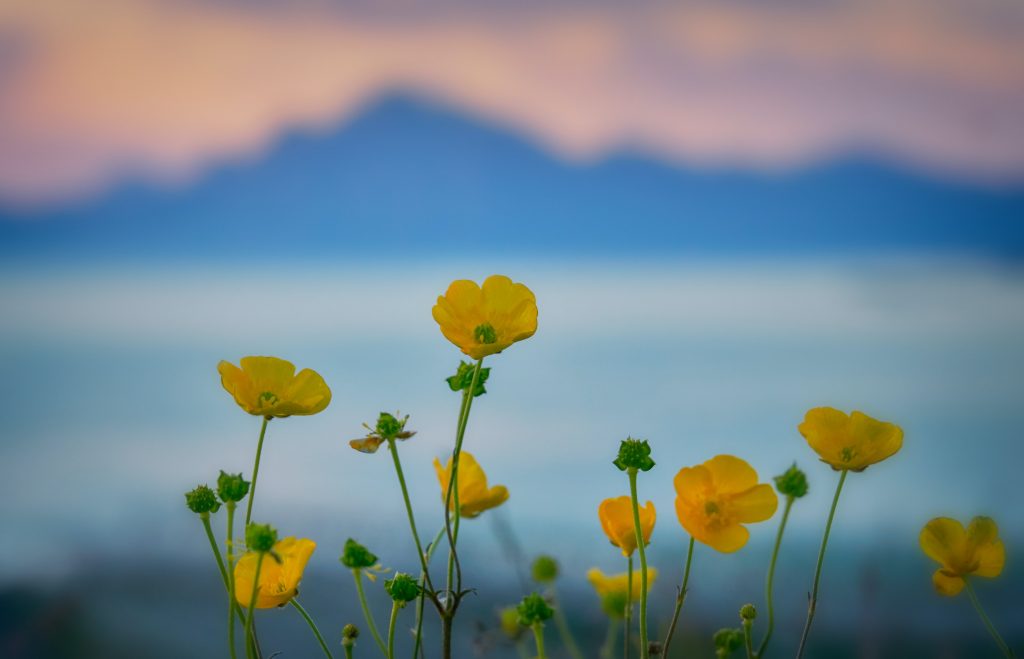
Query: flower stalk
[[312, 626], [644, 648], [1003, 647], [256, 470], [357, 574], [768, 590], [680, 598]]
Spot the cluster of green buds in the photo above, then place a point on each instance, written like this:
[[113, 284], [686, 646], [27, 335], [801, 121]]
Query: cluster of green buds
[[792, 483], [357, 557], [463, 379], [202, 501], [727, 641], [545, 569], [231, 488], [402, 588], [533, 610], [634, 454]]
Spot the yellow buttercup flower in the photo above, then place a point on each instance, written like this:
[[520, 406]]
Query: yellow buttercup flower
[[976, 551], [474, 495], [617, 584], [715, 499], [484, 320], [616, 515], [279, 582], [269, 387], [853, 442]]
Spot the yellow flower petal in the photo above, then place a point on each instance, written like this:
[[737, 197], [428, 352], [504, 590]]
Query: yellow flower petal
[[727, 539], [618, 584], [947, 584], [757, 504], [943, 540], [852, 442], [990, 559], [730, 474], [278, 582], [616, 516], [485, 320], [475, 496], [268, 387]]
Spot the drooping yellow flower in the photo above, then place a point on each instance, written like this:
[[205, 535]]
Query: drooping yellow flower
[[715, 499], [474, 495], [616, 515], [853, 442], [484, 320], [269, 387], [279, 582], [976, 551], [617, 584]]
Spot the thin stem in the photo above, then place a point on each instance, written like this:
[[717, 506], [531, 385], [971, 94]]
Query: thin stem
[[232, 604], [255, 591], [538, 635], [256, 471], [391, 629], [348, 649], [357, 574], [680, 598], [563, 628], [988, 623], [417, 647], [748, 640], [644, 647], [813, 600], [392, 446], [771, 577], [205, 517], [312, 626], [629, 606], [609, 640]]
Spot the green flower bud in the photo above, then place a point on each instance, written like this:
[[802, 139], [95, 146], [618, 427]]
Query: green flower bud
[[728, 641], [614, 605], [545, 569], [464, 377], [793, 483], [389, 426], [403, 588], [509, 618], [260, 537], [349, 634], [231, 487], [533, 609], [202, 500], [748, 612], [634, 454], [356, 556]]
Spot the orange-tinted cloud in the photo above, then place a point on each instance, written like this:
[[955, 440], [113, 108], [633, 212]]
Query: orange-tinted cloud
[[94, 91]]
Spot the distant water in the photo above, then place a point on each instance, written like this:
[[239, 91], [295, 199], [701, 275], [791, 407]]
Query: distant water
[[113, 407]]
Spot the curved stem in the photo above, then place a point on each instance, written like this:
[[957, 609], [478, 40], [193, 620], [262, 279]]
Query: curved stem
[[418, 646], [255, 471], [1003, 647], [357, 574], [629, 606], [563, 628], [205, 517], [391, 630], [312, 626], [644, 646], [393, 447], [252, 598], [680, 598], [538, 635], [609, 641], [813, 600], [771, 577]]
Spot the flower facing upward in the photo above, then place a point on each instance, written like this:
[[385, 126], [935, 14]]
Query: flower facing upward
[[715, 499], [269, 387], [484, 320], [853, 442], [616, 516], [976, 551], [474, 495], [279, 581]]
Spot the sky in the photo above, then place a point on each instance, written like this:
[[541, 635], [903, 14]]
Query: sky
[[91, 93]]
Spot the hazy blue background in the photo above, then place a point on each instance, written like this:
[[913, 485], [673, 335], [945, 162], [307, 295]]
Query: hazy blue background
[[717, 242]]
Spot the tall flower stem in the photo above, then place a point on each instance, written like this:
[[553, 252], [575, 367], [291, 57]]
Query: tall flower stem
[[252, 599], [391, 629], [608, 649], [256, 471], [1003, 647], [563, 628], [644, 646], [417, 647], [680, 598], [205, 517], [629, 607], [748, 638], [312, 626], [357, 574], [232, 604], [813, 601], [771, 576], [393, 447], [538, 635]]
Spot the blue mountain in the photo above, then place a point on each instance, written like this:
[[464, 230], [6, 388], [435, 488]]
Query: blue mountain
[[409, 178]]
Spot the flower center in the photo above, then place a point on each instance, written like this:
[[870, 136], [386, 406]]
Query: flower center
[[847, 453], [267, 399], [710, 508], [484, 333]]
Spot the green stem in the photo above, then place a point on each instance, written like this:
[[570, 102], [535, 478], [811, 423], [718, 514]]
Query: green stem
[[358, 575], [255, 471], [538, 635], [348, 649], [205, 517], [563, 628], [1007, 652], [771, 577], [391, 629], [608, 648], [748, 640], [629, 606], [417, 647], [644, 647], [312, 626], [232, 604], [813, 601], [252, 598], [392, 446], [680, 598]]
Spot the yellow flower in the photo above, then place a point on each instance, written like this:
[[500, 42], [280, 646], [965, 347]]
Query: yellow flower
[[978, 551], [268, 386], [485, 320], [616, 516], [474, 495], [617, 584], [715, 499], [853, 442], [279, 582]]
